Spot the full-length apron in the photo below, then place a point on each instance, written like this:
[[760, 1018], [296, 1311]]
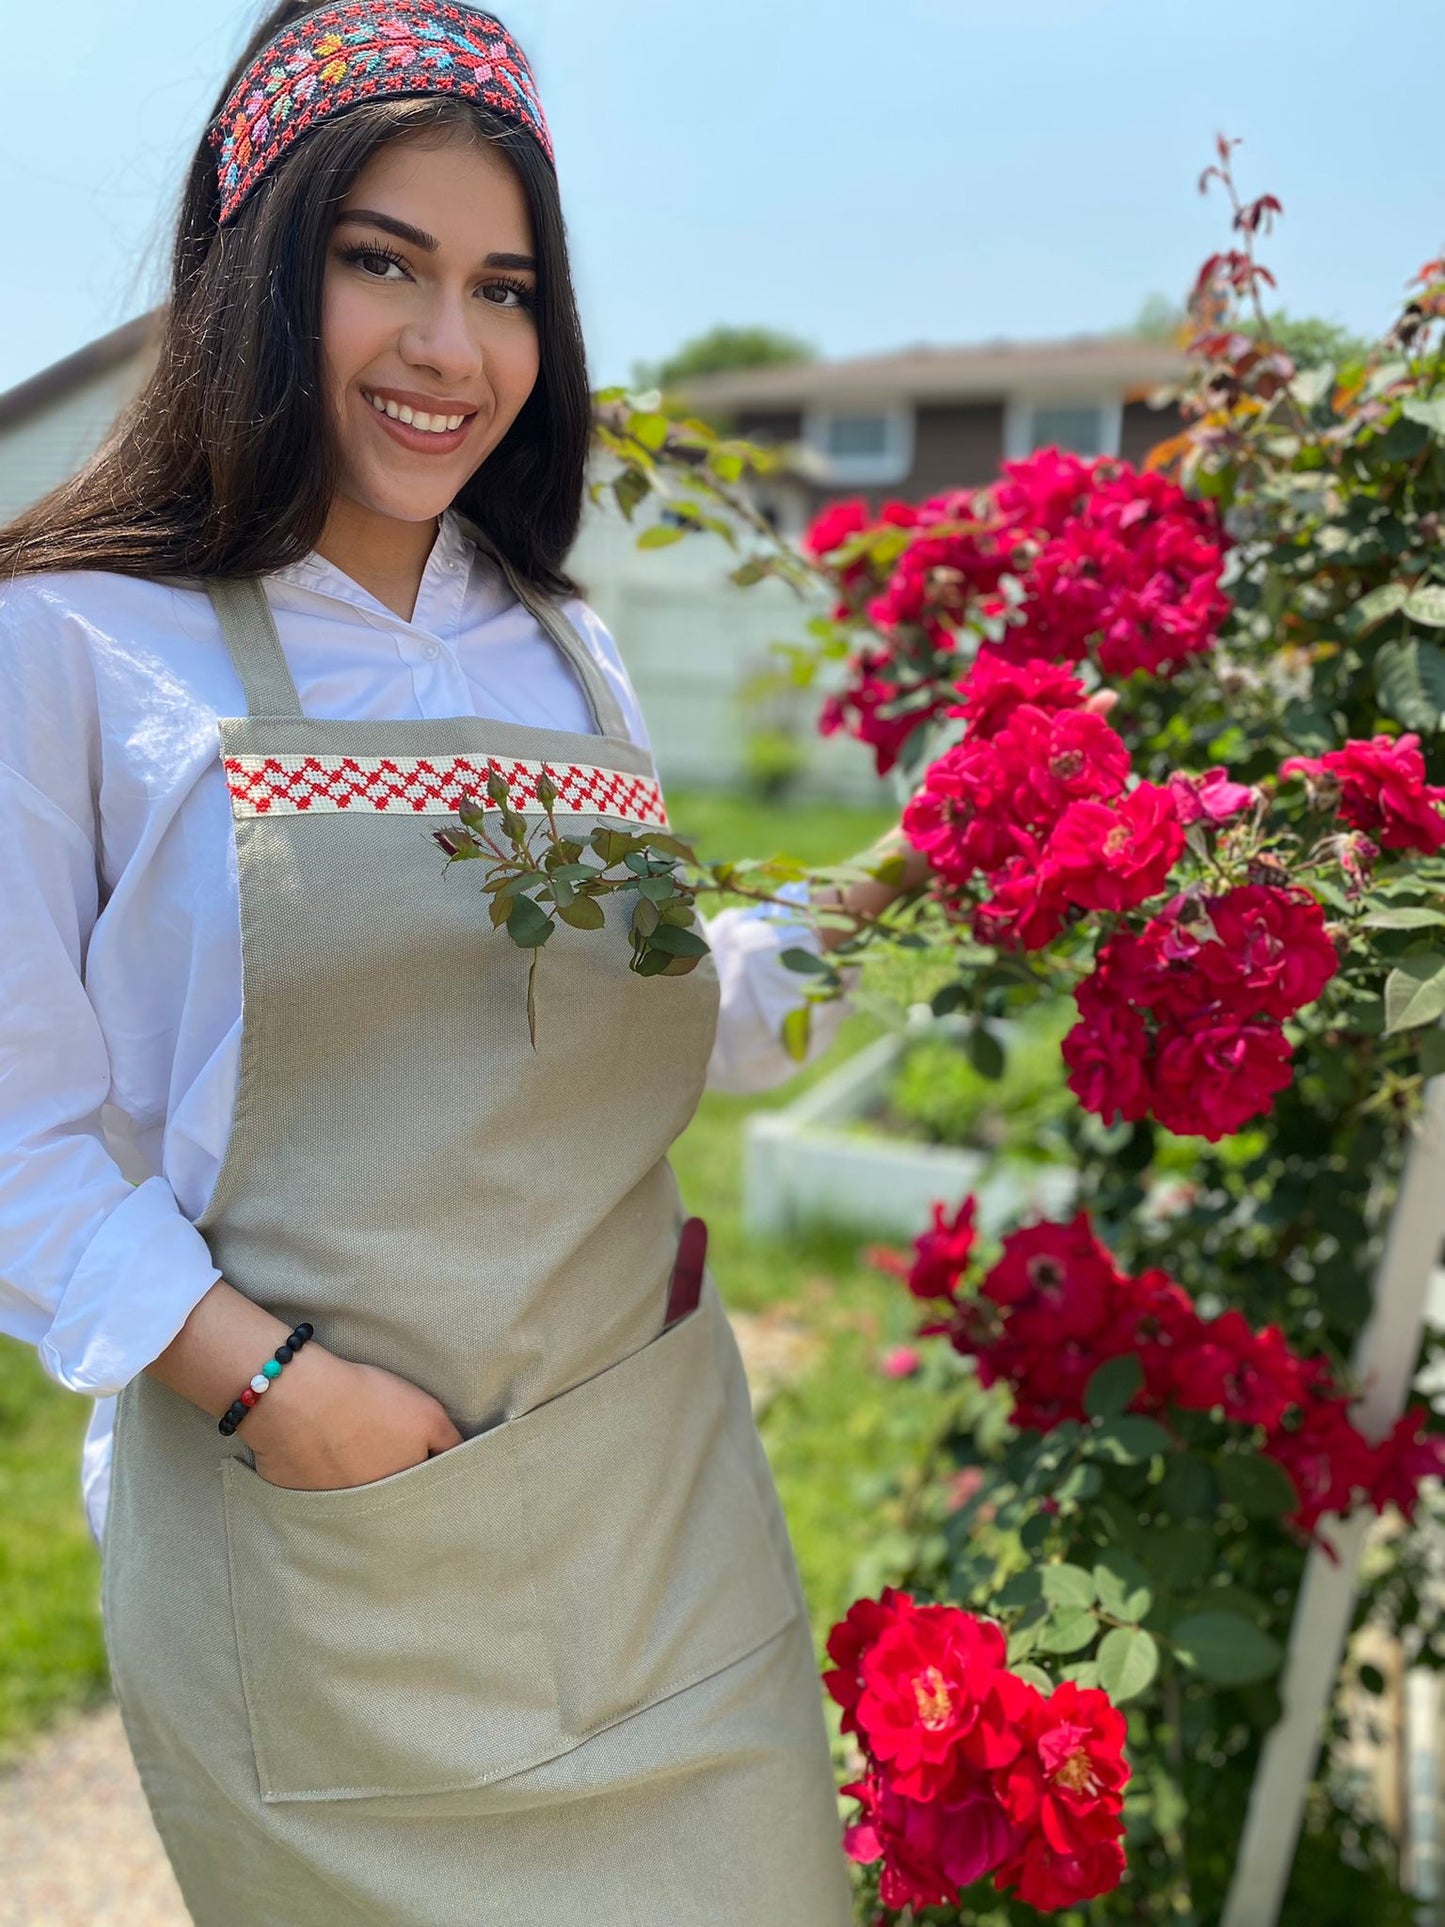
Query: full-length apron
[[561, 1672]]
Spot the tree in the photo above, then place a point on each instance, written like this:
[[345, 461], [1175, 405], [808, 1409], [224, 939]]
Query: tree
[[720, 349]]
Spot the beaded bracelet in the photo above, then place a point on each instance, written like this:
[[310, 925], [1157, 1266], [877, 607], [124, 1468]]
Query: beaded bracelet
[[282, 1355]]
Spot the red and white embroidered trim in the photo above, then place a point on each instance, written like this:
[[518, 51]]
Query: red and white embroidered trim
[[432, 786]]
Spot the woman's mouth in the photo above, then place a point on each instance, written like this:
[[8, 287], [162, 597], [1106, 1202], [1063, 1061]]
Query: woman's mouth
[[431, 432]]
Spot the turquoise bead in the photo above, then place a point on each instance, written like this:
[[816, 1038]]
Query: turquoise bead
[[272, 1368]]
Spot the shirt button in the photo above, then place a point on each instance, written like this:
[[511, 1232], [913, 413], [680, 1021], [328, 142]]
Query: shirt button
[[431, 652]]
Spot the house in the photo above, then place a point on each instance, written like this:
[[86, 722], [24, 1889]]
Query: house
[[51, 423], [912, 424], [907, 424]]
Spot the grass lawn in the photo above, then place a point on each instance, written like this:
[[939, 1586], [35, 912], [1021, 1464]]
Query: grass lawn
[[830, 1437]]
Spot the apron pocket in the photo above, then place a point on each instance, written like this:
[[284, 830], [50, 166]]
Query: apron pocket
[[488, 1609]]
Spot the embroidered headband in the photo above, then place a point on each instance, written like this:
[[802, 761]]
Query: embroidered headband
[[366, 50]]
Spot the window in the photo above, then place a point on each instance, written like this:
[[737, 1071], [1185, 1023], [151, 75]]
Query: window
[[861, 445], [1082, 427]]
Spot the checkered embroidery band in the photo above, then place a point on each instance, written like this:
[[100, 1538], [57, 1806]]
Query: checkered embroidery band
[[432, 786]]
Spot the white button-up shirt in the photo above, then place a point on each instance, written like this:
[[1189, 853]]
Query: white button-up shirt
[[120, 947]]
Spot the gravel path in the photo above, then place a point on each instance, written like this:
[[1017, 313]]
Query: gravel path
[[77, 1845], [76, 1839]]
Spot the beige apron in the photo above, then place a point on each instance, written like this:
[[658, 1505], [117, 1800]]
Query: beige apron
[[562, 1672]]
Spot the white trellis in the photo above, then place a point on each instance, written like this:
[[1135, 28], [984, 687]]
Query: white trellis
[[1384, 1363]]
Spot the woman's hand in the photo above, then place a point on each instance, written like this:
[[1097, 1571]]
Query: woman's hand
[[329, 1422]]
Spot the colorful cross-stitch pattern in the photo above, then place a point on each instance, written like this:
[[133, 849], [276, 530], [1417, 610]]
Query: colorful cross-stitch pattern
[[366, 50]]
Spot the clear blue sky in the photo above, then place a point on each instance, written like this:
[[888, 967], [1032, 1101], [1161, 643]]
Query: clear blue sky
[[866, 176]]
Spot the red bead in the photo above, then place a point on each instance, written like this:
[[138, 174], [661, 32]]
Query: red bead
[[249, 1397]]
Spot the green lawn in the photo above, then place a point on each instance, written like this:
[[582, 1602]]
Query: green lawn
[[829, 1438]]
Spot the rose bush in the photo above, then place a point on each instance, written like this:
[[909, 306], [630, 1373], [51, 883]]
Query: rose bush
[[1236, 881]]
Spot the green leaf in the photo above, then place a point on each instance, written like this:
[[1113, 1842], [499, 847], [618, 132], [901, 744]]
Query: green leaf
[[797, 1029], [1068, 1630], [1410, 683], [1181, 1555], [1084, 1673], [1125, 1589], [674, 941], [583, 913], [1426, 605], [1225, 1649], [1409, 916], [661, 535], [1128, 1662], [1067, 1585], [1127, 1441], [1432, 1053], [528, 924], [1023, 1589], [986, 1053], [809, 964], [1110, 1389], [649, 429], [1259, 1486], [1187, 1489], [1373, 609], [1035, 1676], [1415, 993], [1429, 413]]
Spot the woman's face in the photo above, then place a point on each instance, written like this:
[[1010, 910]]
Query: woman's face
[[427, 312]]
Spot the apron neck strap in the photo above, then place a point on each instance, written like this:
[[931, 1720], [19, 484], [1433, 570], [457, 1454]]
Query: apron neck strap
[[249, 630], [602, 697]]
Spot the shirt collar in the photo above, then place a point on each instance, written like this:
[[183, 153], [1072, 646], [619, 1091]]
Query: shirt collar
[[452, 568]]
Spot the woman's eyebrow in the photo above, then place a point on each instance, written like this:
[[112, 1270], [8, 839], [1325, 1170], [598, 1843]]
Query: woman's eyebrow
[[419, 237]]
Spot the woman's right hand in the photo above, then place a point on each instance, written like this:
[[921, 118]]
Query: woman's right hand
[[328, 1422]]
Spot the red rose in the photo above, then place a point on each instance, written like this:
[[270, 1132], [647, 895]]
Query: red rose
[[930, 1849], [1114, 856], [942, 1254], [1213, 1074], [925, 1682], [1382, 790]]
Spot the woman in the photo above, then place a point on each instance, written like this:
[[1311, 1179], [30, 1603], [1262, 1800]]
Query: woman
[[486, 1611]]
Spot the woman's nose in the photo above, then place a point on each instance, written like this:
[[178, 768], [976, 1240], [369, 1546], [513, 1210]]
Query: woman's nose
[[445, 338]]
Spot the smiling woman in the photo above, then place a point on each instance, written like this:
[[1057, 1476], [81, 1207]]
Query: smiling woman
[[444, 1576]]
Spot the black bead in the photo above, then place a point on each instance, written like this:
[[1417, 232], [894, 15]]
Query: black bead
[[303, 1332], [239, 1410], [283, 1354], [227, 1425]]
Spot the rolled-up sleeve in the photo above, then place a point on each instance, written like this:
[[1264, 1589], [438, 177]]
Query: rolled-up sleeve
[[97, 1273], [759, 990]]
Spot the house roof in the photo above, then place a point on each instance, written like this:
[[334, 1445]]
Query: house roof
[[72, 371], [1126, 365]]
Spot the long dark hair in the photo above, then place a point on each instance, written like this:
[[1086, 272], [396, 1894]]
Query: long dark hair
[[223, 465]]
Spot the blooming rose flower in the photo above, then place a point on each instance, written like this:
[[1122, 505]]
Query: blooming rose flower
[[995, 687], [1211, 1076], [941, 1254], [1211, 797], [1064, 1793], [1408, 1455], [930, 1849], [1258, 949], [932, 1698], [1382, 790], [1116, 856], [852, 1637], [1107, 1053]]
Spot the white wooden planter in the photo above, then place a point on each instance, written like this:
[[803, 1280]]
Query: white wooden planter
[[802, 1167]]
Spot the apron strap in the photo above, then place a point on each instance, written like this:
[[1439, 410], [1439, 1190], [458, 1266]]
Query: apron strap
[[249, 630], [602, 697]]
